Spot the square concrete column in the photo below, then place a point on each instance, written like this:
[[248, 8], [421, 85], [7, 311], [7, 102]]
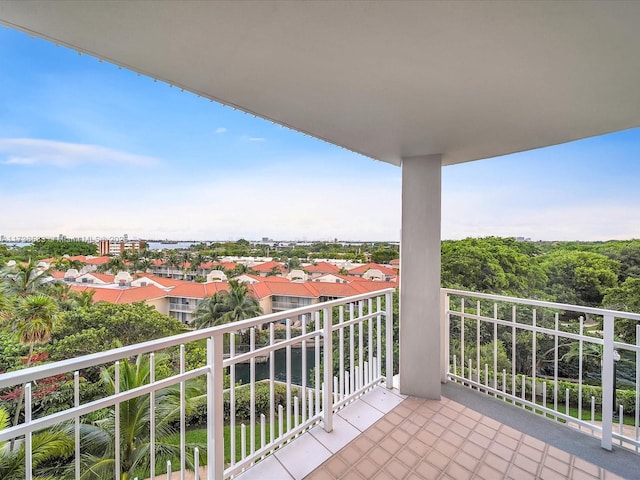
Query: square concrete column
[[420, 277]]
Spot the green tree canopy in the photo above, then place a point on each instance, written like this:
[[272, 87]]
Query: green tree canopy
[[123, 325], [579, 277], [55, 248], [492, 264]]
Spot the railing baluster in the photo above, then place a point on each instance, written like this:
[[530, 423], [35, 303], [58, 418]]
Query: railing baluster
[[183, 416], [637, 403], [272, 361], [478, 313], [243, 441], [303, 390], [534, 350], [232, 400], [351, 350], [607, 383], [28, 444], [76, 430], [117, 423], [196, 463], [621, 422], [317, 358], [389, 338], [495, 346], [215, 408], [462, 339], [360, 346], [370, 340], [340, 353], [580, 366], [288, 372], [152, 417], [252, 391], [513, 351], [378, 372], [327, 394], [263, 430], [555, 364]]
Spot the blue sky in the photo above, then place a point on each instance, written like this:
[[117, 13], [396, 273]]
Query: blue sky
[[87, 149]]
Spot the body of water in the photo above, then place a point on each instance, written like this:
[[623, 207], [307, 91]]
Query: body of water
[[170, 245], [16, 244], [262, 369]]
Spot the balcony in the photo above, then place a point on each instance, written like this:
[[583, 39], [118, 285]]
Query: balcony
[[181, 307], [332, 410]]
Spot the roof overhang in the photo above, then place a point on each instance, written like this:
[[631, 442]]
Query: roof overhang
[[467, 80]]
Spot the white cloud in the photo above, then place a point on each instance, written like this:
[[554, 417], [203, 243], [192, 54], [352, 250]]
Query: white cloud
[[33, 151], [247, 138], [220, 130]]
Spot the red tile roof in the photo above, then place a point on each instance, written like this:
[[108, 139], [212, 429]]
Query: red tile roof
[[166, 282], [362, 270], [321, 267], [105, 277], [123, 295], [268, 266], [93, 261], [198, 290]]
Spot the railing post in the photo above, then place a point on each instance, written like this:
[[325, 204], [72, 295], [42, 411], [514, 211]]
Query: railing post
[[389, 341], [215, 409], [444, 336], [607, 383], [327, 394]]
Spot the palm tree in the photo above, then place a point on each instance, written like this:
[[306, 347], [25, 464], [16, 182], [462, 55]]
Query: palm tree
[[114, 265], [46, 446], [34, 319], [274, 272], [23, 279], [135, 419], [240, 269], [173, 261], [62, 294], [239, 304], [142, 264], [211, 311], [84, 298], [197, 260]]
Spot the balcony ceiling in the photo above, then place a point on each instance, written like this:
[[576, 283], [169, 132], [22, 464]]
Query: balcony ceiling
[[468, 80]]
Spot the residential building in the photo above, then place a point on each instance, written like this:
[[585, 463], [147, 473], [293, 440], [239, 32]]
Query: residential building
[[117, 247]]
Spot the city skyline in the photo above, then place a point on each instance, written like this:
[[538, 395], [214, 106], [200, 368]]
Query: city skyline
[[88, 149]]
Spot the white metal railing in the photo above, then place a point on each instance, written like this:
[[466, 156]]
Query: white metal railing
[[517, 350], [359, 329], [182, 307]]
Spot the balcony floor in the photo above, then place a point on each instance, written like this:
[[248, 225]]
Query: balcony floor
[[385, 435]]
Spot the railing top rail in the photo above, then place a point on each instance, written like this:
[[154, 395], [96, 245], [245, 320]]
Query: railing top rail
[[19, 377], [540, 303]]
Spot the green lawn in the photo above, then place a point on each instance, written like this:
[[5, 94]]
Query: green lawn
[[199, 435]]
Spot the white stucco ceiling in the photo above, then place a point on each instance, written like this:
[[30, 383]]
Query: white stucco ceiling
[[468, 80]]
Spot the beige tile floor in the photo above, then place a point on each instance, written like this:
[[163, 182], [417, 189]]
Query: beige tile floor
[[425, 439], [386, 435]]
